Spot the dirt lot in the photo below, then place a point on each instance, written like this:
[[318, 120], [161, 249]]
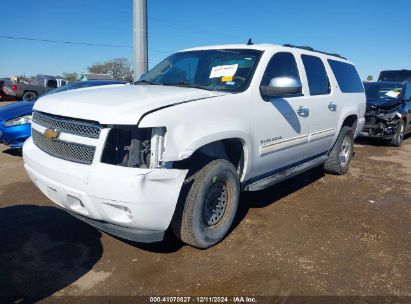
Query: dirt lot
[[313, 235]]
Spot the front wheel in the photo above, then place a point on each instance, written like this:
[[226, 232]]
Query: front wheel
[[205, 215], [341, 154], [399, 134]]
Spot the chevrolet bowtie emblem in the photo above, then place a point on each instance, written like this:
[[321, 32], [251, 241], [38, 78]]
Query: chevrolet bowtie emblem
[[51, 134]]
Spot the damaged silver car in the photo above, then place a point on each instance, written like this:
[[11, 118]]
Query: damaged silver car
[[388, 113]]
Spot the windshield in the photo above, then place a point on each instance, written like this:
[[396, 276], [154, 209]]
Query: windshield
[[216, 70], [383, 91]]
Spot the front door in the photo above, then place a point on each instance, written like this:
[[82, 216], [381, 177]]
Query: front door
[[280, 123]]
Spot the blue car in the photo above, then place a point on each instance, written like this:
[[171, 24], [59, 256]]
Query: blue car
[[15, 118]]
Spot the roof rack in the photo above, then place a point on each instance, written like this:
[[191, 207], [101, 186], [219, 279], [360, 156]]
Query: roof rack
[[308, 48]]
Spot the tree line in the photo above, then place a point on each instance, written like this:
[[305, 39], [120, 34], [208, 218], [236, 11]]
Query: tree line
[[118, 68]]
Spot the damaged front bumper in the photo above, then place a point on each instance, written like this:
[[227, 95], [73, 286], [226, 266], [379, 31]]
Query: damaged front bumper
[[131, 203], [380, 125]]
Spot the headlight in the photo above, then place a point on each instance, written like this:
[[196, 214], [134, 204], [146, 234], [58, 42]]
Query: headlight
[[134, 147], [18, 121]]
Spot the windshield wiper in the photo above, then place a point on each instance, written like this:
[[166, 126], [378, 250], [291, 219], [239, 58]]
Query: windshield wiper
[[143, 81], [187, 84]]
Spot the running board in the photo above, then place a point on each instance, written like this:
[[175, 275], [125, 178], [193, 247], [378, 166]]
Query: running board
[[283, 175]]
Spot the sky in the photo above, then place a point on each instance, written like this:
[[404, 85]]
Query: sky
[[375, 35]]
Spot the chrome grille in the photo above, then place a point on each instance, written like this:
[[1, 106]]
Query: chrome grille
[[74, 152], [67, 125]]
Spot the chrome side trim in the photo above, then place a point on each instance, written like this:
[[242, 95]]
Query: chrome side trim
[[283, 144], [322, 134]]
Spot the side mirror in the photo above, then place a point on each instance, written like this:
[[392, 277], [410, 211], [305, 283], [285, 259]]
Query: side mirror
[[280, 86]]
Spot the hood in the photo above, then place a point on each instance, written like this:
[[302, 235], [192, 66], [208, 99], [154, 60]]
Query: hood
[[383, 103], [119, 104], [16, 109]]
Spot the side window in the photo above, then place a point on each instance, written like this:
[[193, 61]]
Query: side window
[[52, 83], [317, 76], [347, 77], [281, 64]]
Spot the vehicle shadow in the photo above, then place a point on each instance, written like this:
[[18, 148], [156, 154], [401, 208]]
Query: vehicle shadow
[[42, 250], [371, 141], [13, 152], [170, 244], [271, 195]]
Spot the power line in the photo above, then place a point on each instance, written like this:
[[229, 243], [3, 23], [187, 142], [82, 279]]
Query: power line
[[65, 42], [77, 43]]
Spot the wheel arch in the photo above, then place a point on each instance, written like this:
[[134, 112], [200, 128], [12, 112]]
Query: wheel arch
[[350, 121], [232, 149]]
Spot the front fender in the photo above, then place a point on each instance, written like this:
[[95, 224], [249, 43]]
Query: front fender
[[195, 124]]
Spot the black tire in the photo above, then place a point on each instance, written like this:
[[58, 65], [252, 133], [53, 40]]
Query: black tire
[[208, 205], [399, 134], [341, 154], [29, 95]]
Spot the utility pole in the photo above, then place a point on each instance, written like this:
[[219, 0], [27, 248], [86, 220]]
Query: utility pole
[[140, 38]]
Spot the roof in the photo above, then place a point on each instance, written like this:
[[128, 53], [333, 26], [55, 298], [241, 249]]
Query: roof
[[265, 47]]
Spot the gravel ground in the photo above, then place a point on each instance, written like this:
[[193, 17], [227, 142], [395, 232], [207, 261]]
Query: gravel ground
[[313, 235]]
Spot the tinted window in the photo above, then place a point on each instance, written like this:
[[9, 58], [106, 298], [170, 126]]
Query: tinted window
[[281, 64], [316, 75], [52, 83], [376, 90], [347, 77], [395, 76]]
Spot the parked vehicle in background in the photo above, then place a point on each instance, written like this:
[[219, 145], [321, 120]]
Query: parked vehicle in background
[[395, 75], [31, 91], [4, 83], [388, 114], [15, 118], [178, 146]]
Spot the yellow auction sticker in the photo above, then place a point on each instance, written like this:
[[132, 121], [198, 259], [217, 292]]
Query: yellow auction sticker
[[226, 78]]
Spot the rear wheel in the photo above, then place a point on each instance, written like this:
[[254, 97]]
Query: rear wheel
[[205, 214], [29, 95], [399, 134], [341, 154]]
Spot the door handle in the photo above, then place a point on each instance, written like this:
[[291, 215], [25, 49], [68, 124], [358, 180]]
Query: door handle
[[332, 106], [303, 111]]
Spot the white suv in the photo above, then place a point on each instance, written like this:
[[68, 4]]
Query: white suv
[[178, 146]]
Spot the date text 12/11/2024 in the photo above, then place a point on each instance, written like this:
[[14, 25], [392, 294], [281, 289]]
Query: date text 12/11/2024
[[203, 299]]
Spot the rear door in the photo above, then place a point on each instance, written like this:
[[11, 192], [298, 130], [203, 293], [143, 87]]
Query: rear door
[[323, 103]]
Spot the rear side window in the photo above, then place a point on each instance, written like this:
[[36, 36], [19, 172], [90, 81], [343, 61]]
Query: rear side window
[[316, 75], [347, 77], [281, 64]]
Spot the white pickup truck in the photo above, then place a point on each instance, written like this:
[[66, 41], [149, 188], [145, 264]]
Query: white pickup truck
[[177, 147]]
